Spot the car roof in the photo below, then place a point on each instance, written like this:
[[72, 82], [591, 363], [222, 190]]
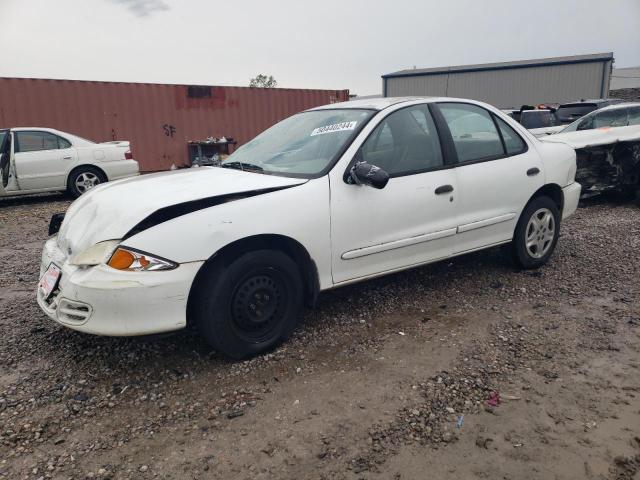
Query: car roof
[[385, 102], [369, 103], [617, 106], [43, 129], [592, 101]]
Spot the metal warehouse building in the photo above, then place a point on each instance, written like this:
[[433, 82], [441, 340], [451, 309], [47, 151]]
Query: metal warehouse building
[[509, 84], [159, 120]]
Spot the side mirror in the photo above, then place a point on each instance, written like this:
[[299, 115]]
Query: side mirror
[[363, 173]]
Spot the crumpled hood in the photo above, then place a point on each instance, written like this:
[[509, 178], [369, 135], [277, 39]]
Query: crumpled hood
[[109, 211], [595, 137]]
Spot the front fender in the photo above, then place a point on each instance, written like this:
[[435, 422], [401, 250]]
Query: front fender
[[300, 213]]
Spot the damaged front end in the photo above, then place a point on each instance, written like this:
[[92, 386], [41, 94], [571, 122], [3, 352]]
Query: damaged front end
[[612, 167], [607, 159]]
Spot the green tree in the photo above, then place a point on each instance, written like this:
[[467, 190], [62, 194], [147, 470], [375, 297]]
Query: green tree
[[262, 81]]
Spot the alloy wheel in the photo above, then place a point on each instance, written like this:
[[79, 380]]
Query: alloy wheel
[[540, 233]]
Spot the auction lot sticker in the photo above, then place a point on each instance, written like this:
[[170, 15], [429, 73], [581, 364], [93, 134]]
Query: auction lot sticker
[[336, 127]]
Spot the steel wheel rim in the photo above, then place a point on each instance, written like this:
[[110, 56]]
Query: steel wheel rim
[[258, 304], [540, 232], [86, 181]]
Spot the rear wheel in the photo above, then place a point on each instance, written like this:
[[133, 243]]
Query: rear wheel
[[83, 179], [536, 233], [249, 306]]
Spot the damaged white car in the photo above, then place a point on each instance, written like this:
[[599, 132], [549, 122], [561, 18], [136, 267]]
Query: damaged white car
[[37, 160], [331, 196], [607, 145]]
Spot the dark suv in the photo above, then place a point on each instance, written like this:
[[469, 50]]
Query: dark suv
[[570, 112]]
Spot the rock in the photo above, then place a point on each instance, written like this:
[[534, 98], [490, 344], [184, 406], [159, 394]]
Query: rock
[[483, 442]]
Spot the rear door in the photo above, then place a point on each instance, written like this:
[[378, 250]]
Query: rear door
[[497, 173], [42, 159]]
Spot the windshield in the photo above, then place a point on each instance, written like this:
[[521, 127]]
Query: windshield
[[613, 117], [304, 145], [3, 134]]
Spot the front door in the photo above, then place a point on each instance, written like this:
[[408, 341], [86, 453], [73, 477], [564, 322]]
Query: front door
[[497, 174], [411, 220], [42, 159]]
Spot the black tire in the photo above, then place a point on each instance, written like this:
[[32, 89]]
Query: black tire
[[249, 306], [527, 257], [96, 175]]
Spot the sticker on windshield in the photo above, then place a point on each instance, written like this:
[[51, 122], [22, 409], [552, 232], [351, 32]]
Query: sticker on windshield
[[336, 127]]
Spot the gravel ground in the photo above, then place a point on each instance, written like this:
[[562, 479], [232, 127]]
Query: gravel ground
[[463, 369]]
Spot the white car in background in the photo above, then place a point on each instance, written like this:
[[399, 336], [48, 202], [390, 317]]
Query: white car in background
[[328, 197], [36, 160], [613, 116], [607, 145]]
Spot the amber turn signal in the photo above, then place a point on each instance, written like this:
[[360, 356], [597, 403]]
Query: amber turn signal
[[136, 261], [121, 259]]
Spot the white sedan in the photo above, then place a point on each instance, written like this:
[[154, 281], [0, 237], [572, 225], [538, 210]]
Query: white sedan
[[36, 160], [331, 196]]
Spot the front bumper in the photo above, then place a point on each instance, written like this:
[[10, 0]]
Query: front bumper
[[105, 301], [571, 195]]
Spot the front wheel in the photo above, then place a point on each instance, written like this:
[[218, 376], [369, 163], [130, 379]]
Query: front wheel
[[536, 233], [249, 306]]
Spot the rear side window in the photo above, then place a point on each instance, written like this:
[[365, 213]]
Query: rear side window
[[63, 143], [474, 133], [35, 141], [404, 143], [512, 141]]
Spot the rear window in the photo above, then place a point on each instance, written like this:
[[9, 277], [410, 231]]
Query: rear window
[[538, 119]]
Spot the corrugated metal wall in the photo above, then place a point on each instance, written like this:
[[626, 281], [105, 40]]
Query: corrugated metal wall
[[510, 87], [158, 119]]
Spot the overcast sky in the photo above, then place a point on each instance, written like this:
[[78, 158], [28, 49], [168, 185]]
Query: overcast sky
[[333, 44]]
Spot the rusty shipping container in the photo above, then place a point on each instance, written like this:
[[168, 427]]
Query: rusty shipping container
[[157, 119]]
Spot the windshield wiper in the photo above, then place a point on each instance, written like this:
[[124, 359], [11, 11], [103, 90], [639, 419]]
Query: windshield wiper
[[243, 166]]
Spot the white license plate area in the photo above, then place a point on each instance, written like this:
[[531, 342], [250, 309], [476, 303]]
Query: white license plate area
[[49, 280]]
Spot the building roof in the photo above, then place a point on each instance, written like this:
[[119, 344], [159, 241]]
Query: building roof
[[625, 78], [541, 62]]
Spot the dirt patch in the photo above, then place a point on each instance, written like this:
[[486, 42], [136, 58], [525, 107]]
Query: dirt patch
[[386, 379]]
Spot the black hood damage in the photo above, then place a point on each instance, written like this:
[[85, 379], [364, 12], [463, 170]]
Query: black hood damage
[[173, 211]]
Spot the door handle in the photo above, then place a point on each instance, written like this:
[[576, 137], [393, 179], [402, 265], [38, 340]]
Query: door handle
[[533, 171], [67, 157], [444, 189]]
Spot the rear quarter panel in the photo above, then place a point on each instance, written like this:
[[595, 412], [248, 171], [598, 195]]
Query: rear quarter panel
[[559, 162]]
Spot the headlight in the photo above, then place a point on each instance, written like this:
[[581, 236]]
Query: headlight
[[95, 255], [131, 260]]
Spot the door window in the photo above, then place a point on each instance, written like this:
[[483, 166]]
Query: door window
[[474, 133], [35, 141], [405, 142]]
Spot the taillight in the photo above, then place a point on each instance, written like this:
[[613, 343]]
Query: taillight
[[128, 155]]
